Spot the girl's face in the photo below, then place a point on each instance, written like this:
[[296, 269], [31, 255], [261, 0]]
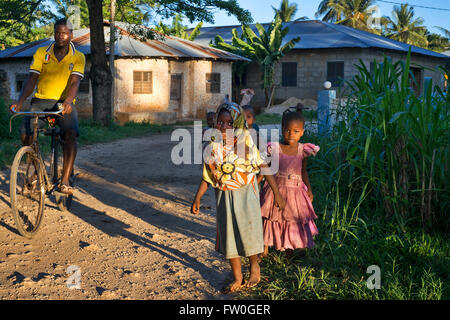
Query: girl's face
[[224, 123], [293, 131], [249, 117]]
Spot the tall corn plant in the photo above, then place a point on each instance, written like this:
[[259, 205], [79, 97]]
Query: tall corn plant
[[399, 142]]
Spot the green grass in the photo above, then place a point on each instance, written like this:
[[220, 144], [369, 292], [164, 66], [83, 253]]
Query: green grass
[[90, 132], [267, 118], [272, 118], [414, 266]]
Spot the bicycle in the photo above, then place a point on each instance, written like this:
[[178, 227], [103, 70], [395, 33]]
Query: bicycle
[[30, 183]]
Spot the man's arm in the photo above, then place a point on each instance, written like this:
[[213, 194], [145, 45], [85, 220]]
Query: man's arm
[[27, 90], [74, 83]]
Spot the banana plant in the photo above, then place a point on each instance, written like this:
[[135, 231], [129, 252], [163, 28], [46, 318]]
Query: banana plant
[[265, 48]]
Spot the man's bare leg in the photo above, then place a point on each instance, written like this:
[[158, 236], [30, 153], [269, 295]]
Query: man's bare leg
[[26, 139], [69, 155]]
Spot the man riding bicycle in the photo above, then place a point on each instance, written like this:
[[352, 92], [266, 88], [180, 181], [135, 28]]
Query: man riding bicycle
[[57, 70]]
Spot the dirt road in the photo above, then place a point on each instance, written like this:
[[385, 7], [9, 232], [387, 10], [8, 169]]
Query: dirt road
[[129, 234]]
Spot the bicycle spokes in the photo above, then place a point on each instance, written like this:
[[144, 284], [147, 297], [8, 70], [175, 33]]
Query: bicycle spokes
[[29, 192]]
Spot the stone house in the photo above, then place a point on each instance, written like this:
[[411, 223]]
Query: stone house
[[330, 52], [161, 80]]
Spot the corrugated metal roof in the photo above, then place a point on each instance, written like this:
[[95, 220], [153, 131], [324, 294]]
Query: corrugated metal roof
[[128, 45], [317, 34]]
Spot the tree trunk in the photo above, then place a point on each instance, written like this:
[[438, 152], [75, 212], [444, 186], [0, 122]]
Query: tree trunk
[[100, 73]]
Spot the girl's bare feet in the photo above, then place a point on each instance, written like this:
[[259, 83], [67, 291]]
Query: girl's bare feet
[[255, 272], [265, 253], [235, 264], [235, 286]]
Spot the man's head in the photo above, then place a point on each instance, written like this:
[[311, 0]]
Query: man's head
[[63, 33]]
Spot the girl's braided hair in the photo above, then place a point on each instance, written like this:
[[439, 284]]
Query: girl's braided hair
[[292, 113]]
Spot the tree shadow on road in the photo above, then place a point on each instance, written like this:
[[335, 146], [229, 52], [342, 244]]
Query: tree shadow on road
[[114, 194]]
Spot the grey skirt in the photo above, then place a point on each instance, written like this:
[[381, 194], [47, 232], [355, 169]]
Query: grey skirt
[[239, 222]]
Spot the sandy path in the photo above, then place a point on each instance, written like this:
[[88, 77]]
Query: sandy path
[[129, 233]]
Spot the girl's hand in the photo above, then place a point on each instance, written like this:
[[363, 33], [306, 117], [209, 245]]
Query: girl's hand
[[280, 202], [259, 178], [195, 208]]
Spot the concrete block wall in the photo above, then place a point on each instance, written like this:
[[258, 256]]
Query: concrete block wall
[[312, 71]]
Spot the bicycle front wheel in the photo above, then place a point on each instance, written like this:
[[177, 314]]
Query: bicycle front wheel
[[27, 192]]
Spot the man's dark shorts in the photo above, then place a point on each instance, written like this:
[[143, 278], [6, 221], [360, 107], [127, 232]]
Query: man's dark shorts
[[65, 122]]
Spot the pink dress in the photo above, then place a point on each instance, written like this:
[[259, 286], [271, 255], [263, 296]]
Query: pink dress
[[293, 227]]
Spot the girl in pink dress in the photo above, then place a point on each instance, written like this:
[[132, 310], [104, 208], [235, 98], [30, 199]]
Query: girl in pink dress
[[293, 227]]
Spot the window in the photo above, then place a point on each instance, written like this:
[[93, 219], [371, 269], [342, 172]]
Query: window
[[289, 74], [142, 82], [335, 73], [213, 83], [84, 84], [20, 81]]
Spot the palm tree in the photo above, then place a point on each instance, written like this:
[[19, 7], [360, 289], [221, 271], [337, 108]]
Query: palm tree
[[404, 27], [330, 10], [445, 31], [352, 13], [437, 43], [286, 11]]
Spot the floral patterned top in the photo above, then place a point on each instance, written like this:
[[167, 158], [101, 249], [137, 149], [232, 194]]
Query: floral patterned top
[[230, 166], [227, 169]]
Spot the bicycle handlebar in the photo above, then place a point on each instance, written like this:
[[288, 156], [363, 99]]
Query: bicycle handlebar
[[34, 113]]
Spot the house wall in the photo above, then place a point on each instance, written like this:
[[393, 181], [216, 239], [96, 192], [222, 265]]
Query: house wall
[[11, 68], [312, 71], [126, 100], [194, 102]]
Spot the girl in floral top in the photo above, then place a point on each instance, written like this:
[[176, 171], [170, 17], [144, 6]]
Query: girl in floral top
[[230, 166]]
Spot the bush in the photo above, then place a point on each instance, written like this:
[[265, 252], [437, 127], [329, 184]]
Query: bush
[[381, 195], [396, 144]]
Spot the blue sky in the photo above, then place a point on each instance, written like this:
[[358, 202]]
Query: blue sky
[[261, 11]]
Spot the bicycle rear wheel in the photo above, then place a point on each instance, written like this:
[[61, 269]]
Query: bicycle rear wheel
[[27, 192]]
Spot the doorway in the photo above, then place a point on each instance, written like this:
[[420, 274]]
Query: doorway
[[175, 93]]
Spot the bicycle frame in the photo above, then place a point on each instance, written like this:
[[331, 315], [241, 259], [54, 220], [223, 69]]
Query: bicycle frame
[[50, 186]]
